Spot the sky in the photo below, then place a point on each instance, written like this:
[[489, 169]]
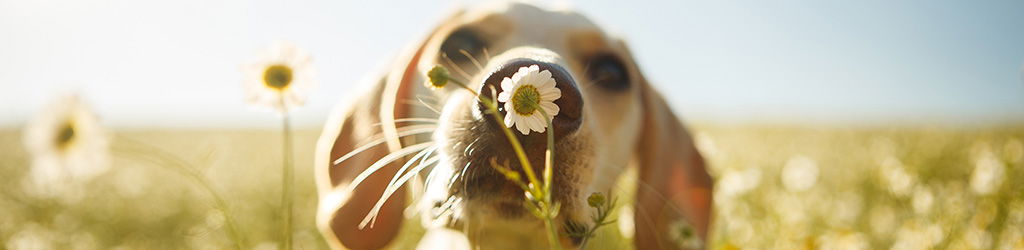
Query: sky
[[177, 64]]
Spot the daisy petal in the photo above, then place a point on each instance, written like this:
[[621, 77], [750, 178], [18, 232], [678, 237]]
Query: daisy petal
[[550, 94], [539, 124], [543, 76], [523, 128], [550, 108], [508, 121], [504, 96], [507, 84]]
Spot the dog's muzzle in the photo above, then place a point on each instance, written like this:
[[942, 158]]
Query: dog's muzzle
[[481, 140], [570, 104]]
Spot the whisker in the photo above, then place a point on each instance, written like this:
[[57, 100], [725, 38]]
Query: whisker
[[430, 97], [416, 119], [465, 179], [414, 102], [448, 208], [371, 217], [487, 55], [412, 130], [431, 108], [410, 119], [384, 161], [586, 71], [593, 82], [418, 157], [472, 59], [458, 69]]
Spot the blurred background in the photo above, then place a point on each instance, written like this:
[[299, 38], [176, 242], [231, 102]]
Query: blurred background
[[827, 124]]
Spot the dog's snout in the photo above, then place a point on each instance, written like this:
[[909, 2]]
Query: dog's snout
[[570, 103]]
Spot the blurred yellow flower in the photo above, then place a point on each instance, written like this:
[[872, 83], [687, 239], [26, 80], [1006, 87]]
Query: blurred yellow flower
[[525, 92], [280, 79], [66, 143]]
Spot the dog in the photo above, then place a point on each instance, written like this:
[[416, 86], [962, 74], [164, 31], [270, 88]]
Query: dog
[[611, 119]]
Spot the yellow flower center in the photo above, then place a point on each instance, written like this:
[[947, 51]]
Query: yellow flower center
[[525, 100], [277, 77], [66, 135]]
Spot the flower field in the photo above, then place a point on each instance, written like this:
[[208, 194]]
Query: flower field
[[777, 187]]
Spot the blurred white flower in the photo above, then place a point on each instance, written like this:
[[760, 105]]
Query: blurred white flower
[[988, 174], [280, 79], [627, 226], [734, 183], [706, 145], [522, 93], [895, 175], [800, 173], [67, 145], [922, 200], [684, 235]]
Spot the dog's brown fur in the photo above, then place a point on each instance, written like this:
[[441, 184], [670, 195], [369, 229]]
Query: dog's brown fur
[[621, 126]]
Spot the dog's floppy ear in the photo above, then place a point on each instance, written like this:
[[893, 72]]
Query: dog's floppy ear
[[369, 117], [674, 183]]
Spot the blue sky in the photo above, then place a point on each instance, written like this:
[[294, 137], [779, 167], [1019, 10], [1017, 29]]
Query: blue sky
[[177, 63]]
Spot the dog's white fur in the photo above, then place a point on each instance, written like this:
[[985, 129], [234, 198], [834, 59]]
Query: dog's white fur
[[634, 127]]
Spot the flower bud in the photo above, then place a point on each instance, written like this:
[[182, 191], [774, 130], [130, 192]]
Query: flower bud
[[438, 77], [595, 200]]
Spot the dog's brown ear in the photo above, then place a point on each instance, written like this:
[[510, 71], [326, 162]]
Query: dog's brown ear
[[341, 209], [358, 122], [674, 183]]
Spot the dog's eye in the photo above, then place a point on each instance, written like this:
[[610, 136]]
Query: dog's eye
[[608, 71], [463, 39]]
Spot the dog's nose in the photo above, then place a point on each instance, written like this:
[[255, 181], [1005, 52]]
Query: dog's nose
[[570, 103]]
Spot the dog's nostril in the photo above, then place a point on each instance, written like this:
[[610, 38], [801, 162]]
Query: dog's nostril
[[570, 104]]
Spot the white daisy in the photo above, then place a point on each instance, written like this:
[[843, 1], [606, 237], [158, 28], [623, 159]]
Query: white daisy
[[281, 79], [67, 145], [526, 90]]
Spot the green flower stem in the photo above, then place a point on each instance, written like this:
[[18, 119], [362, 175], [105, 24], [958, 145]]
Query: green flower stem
[[160, 157], [548, 166], [538, 190], [550, 159], [599, 220], [516, 146], [288, 179]]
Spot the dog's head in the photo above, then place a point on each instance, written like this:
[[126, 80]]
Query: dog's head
[[610, 118]]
